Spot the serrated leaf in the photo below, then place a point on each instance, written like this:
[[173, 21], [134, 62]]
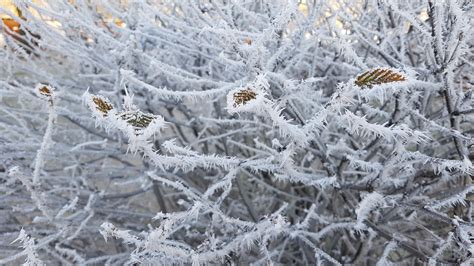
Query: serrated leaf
[[102, 104], [243, 96], [378, 76], [137, 119]]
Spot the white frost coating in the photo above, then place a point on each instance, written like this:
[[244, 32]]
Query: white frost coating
[[28, 244], [368, 204], [179, 171], [260, 105], [458, 198], [46, 143], [256, 105], [384, 261], [139, 137]]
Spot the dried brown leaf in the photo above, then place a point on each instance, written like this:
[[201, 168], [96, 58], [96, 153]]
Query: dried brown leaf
[[243, 96], [378, 76]]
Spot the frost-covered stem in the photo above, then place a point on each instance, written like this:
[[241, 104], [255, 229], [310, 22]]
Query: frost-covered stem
[[35, 196], [319, 252], [246, 200], [447, 93], [37, 246], [28, 244], [445, 245], [439, 48], [400, 243], [435, 34], [39, 161], [384, 261]]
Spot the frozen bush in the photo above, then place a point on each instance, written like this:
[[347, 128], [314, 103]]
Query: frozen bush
[[237, 132]]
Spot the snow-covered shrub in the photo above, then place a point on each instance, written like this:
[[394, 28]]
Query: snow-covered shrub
[[211, 132]]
